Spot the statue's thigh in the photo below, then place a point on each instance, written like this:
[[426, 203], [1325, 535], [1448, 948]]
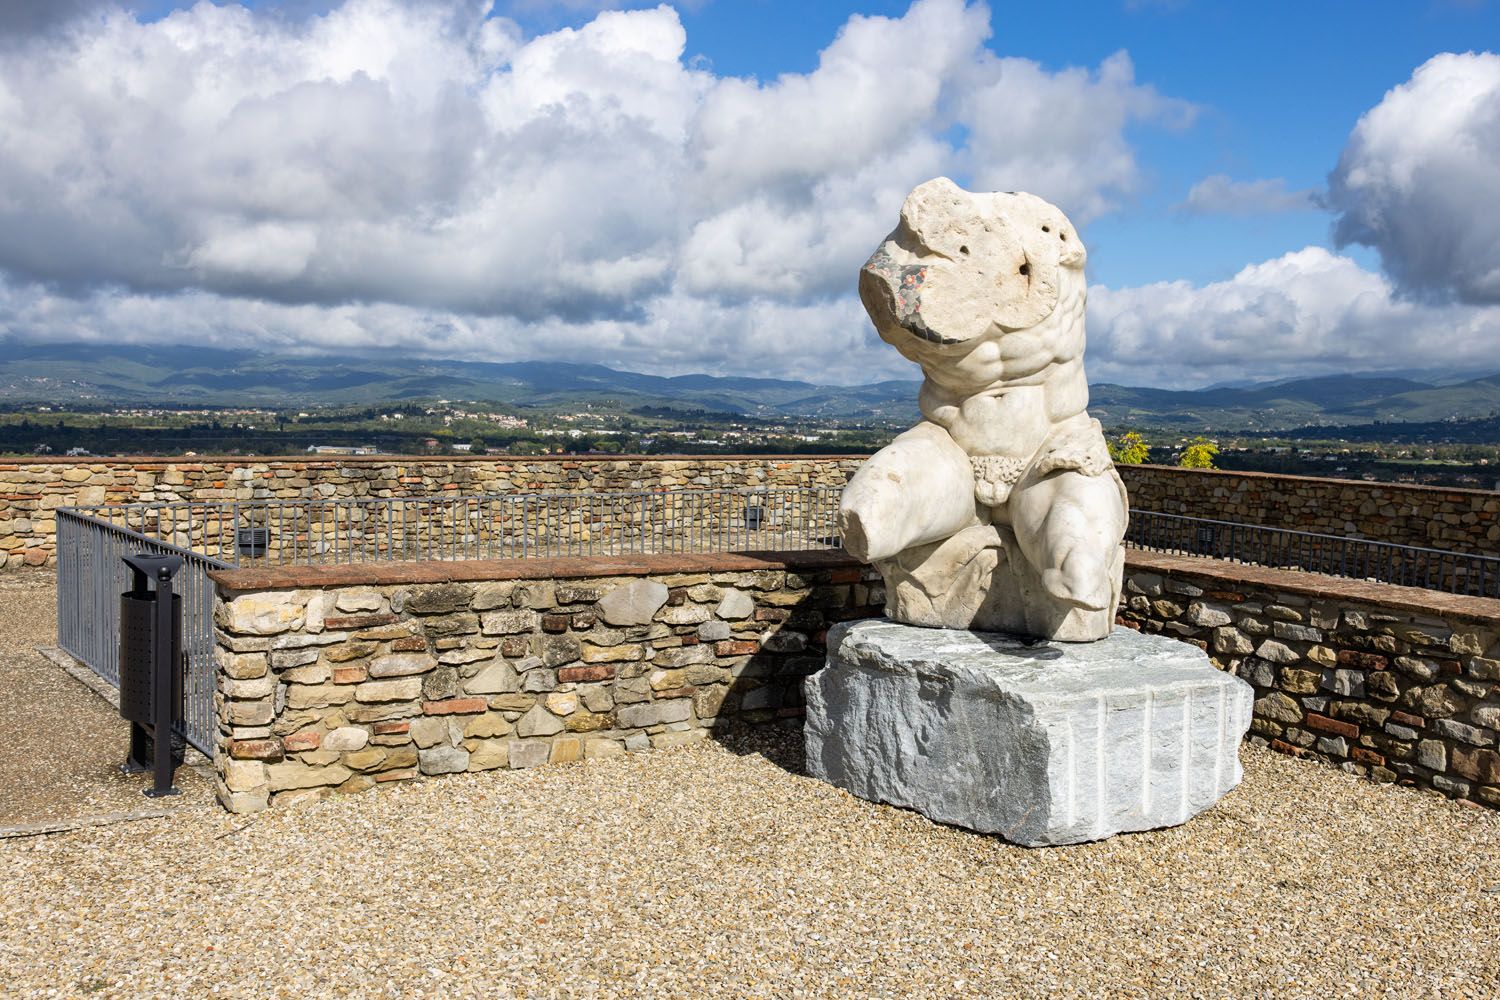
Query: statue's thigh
[[1053, 514]]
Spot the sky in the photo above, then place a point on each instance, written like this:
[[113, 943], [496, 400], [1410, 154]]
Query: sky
[[1266, 190]]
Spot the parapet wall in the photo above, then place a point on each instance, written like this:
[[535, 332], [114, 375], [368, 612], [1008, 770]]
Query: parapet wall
[[341, 677], [1436, 517], [346, 677], [1394, 683], [31, 490]]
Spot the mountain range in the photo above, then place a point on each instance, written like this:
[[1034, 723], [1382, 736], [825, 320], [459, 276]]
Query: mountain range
[[95, 375]]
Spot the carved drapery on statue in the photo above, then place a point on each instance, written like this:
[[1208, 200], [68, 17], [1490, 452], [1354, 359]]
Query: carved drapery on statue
[[1001, 510]]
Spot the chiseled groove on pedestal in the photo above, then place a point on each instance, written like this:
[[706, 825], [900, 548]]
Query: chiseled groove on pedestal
[[1101, 801], [1187, 755], [1070, 812], [1147, 710], [1219, 746]]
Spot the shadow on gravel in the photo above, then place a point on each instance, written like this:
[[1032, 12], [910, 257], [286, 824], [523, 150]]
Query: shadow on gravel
[[765, 703], [64, 743]]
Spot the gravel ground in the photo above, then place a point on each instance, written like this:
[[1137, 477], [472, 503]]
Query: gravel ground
[[63, 743], [718, 871]]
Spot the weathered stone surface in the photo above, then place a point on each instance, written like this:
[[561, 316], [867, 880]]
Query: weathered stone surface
[[601, 748], [560, 649], [1209, 617], [401, 664], [713, 631], [509, 622], [735, 605], [528, 753], [655, 713], [430, 731], [1278, 707], [400, 689], [486, 755], [633, 603], [295, 774], [1052, 743], [443, 760], [498, 678], [244, 775], [270, 613], [538, 722], [346, 738]]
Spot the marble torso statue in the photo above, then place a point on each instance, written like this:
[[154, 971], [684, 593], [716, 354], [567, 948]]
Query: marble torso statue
[[1001, 510]]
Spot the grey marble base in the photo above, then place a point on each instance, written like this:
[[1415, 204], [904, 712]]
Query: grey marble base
[[1048, 743]]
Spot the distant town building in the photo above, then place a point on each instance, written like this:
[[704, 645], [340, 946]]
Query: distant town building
[[342, 449]]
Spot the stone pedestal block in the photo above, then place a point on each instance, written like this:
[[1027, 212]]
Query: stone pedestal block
[[1040, 742]]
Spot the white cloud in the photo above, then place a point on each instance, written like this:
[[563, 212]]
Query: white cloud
[[1218, 194], [1060, 135], [423, 178], [1419, 182], [1310, 312]]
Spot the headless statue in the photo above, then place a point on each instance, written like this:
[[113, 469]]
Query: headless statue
[[1001, 510]]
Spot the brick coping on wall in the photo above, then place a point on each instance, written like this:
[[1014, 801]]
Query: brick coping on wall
[[12, 463], [1430, 602], [486, 570]]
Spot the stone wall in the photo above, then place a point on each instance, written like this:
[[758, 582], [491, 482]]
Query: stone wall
[[1394, 683], [340, 678], [1436, 517], [31, 490]]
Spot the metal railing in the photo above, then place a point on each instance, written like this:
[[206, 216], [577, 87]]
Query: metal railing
[[225, 535], [228, 534], [91, 575], [489, 526], [1282, 548]]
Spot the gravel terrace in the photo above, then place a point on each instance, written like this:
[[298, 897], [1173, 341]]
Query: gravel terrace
[[63, 743], [718, 871]]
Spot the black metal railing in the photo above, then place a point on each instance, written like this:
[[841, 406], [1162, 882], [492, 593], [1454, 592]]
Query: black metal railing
[[1466, 573], [91, 542], [91, 575]]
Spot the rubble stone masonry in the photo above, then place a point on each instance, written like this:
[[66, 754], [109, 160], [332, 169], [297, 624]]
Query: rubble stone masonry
[[1393, 683], [341, 678], [338, 678], [32, 489], [1431, 516]]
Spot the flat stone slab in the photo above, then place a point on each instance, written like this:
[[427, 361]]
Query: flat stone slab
[[1040, 742]]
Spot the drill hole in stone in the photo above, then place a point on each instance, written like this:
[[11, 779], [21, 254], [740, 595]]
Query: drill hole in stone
[[1026, 269], [1046, 229], [964, 251]]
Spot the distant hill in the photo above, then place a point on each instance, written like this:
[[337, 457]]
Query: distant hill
[[98, 375]]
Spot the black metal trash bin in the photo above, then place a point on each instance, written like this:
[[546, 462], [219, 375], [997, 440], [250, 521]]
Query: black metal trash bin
[[152, 669], [138, 656]]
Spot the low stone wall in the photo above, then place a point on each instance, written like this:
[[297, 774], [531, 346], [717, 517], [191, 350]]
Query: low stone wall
[[1436, 517], [339, 678], [31, 490], [1390, 682]]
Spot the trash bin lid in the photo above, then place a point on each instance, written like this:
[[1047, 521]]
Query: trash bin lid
[[154, 565]]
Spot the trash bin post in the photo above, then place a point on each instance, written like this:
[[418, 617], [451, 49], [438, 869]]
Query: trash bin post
[[161, 723], [150, 677]]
